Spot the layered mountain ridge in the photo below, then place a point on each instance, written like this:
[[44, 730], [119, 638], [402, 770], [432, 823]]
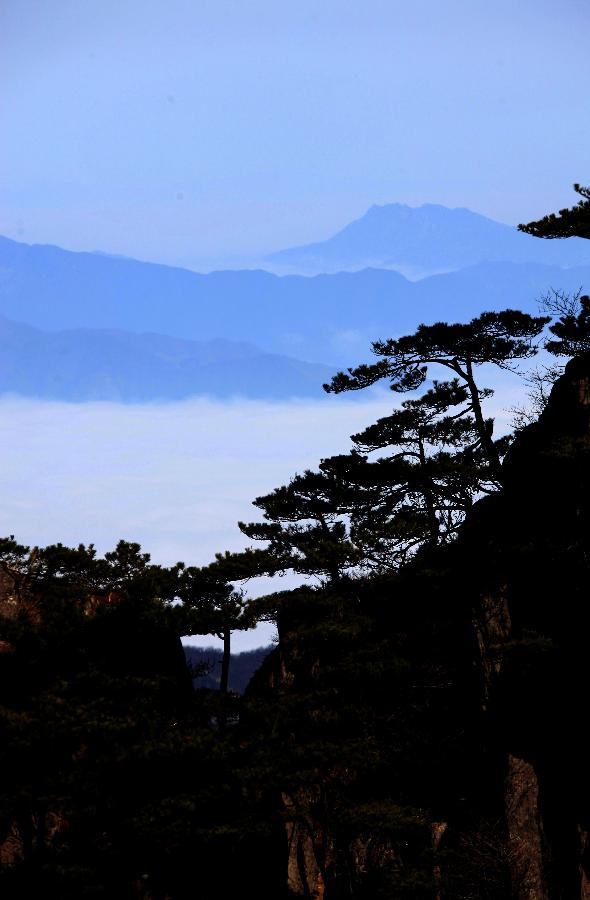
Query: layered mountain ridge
[[95, 364], [329, 319], [114, 319]]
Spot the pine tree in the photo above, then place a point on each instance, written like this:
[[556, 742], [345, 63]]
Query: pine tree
[[306, 523], [214, 606], [497, 338], [574, 222], [434, 469]]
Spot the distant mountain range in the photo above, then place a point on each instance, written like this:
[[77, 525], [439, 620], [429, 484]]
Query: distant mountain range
[[82, 326], [424, 240], [327, 319], [83, 365]]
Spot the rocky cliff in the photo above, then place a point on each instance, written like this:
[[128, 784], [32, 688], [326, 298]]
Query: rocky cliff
[[530, 545], [431, 726]]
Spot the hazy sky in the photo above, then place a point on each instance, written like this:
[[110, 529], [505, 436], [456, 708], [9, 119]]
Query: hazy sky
[[199, 132]]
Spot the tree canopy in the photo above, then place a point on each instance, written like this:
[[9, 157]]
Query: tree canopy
[[434, 468], [571, 328], [572, 222], [496, 338]]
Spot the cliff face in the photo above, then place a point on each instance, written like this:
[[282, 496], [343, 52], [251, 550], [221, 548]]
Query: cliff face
[[473, 725], [531, 544]]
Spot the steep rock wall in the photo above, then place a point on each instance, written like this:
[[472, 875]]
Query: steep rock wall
[[531, 547]]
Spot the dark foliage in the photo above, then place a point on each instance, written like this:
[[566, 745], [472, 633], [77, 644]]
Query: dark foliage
[[499, 339], [117, 779], [573, 222]]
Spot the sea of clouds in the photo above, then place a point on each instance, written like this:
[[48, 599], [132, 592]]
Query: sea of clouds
[[176, 478]]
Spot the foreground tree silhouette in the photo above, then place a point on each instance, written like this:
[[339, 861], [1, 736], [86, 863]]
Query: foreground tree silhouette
[[355, 514], [496, 338], [571, 331], [307, 521], [574, 222], [436, 467]]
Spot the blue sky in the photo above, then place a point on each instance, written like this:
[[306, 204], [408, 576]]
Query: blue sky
[[208, 132]]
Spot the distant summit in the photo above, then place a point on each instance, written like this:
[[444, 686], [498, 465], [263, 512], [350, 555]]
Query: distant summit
[[425, 240]]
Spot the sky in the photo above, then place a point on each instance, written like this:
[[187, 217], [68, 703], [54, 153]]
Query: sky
[[206, 133]]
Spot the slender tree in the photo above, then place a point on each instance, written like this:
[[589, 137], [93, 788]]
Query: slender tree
[[435, 464], [217, 607], [497, 338], [358, 514]]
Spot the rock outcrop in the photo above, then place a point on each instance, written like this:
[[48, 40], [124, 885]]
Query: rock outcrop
[[532, 543]]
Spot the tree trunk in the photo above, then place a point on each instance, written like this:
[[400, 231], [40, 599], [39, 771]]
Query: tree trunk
[[433, 523], [225, 661], [484, 435]]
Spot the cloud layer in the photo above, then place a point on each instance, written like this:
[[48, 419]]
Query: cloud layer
[[175, 478]]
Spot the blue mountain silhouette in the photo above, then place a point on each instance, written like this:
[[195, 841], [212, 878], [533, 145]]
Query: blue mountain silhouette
[[81, 365], [426, 239]]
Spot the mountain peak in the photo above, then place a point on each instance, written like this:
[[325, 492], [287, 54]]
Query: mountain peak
[[424, 240]]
